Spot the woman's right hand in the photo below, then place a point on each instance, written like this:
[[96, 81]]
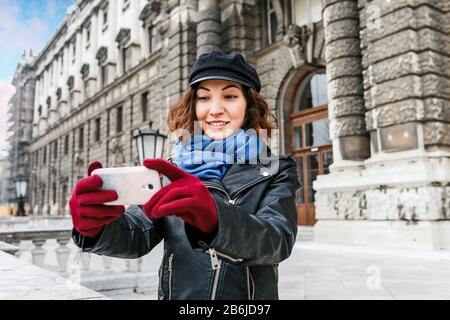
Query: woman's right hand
[[89, 214]]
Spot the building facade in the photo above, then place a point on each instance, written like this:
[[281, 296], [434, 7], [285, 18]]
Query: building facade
[[360, 90], [20, 119]]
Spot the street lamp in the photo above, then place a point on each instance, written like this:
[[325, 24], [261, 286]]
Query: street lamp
[[21, 189], [150, 144]]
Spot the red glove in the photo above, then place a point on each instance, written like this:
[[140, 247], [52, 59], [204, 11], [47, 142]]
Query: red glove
[[186, 197], [89, 215]]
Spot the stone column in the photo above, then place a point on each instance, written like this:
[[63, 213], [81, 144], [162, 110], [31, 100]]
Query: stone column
[[345, 82], [240, 26], [62, 254], [400, 196], [178, 52], [209, 28], [38, 253]]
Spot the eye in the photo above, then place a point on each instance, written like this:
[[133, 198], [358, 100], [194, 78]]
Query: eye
[[203, 99], [231, 96]]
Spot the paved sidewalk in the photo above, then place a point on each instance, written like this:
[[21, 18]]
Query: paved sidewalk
[[316, 271], [323, 272]]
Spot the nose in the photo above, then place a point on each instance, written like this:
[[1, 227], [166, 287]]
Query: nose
[[216, 107]]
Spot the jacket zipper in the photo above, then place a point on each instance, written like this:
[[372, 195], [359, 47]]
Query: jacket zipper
[[251, 292], [170, 276], [161, 271], [216, 264]]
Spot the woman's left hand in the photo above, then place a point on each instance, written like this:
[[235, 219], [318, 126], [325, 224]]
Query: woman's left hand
[[186, 197]]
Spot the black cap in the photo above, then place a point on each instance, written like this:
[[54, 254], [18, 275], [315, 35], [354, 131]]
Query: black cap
[[220, 65]]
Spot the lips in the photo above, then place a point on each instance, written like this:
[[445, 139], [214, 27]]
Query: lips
[[217, 123]]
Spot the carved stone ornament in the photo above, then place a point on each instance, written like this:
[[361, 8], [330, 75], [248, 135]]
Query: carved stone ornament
[[58, 93], [85, 71], [70, 82], [102, 55], [123, 37], [296, 39], [150, 12]]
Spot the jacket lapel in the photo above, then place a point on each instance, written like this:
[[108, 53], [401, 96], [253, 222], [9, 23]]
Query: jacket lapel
[[240, 176]]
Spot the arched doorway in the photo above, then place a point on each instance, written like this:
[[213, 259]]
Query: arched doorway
[[311, 143]]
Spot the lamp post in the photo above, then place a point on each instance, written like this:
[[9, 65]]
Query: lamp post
[[21, 189], [150, 144]]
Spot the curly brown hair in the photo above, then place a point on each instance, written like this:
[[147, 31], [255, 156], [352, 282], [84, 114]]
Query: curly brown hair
[[257, 116]]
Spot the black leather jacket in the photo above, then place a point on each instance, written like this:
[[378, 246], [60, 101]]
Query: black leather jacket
[[256, 231]]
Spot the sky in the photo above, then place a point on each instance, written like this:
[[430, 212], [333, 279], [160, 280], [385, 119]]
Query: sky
[[24, 25]]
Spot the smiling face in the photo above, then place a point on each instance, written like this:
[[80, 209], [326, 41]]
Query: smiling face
[[220, 108]]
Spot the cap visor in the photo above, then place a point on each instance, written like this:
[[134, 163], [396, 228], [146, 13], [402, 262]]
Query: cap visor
[[220, 77]]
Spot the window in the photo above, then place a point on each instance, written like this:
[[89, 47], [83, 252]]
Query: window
[[55, 150], [313, 93], [81, 139], [43, 195], [51, 75], [154, 39], [119, 122], [40, 111], [54, 192], [272, 19], [144, 105], [44, 160], [49, 103], [105, 17], [307, 11], [271, 22], [74, 50], [104, 75], [317, 133], [87, 89], [88, 35], [66, 144], [126, 59], [311, 128], [97, 130], [71, 100], [61, 61]]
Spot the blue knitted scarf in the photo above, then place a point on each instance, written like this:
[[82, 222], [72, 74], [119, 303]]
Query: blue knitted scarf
[[210, 159]]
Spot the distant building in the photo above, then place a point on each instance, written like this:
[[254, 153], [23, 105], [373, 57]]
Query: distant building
[[3, 180], [360, 90], [20, 119]]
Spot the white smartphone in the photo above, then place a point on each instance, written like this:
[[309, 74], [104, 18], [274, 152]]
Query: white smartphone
[[134, 185]]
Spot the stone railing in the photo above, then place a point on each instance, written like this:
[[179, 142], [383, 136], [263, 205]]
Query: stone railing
[[48, 241], [39, 238], [10, 223], [62, 235]]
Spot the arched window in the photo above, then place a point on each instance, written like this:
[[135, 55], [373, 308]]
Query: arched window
[[310, 116], [312, 93], [311, 143]]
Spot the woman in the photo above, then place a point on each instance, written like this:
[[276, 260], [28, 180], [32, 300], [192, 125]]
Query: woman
[[227, 219]]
